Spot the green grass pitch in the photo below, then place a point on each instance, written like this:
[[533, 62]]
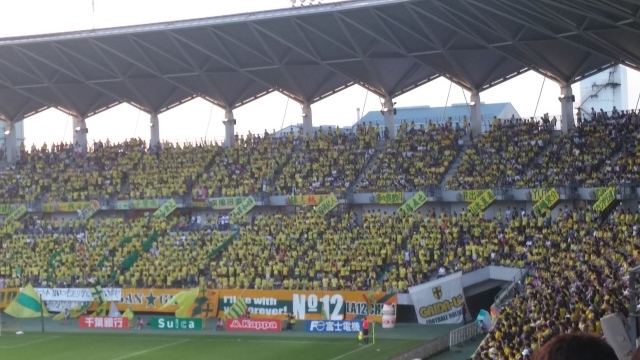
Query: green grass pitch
[[139, 346]]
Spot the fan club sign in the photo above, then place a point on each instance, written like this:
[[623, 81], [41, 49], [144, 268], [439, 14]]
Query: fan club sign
[[440, 301]]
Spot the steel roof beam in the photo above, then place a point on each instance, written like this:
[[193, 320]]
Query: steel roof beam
[[314, 54], [274, 59], [509, 38], [228, 62], [520, 17]]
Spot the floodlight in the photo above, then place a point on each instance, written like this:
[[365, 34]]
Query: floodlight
[[7, 132]]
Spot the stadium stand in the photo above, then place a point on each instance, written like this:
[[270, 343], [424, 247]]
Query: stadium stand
[[576, 158], [501, 156], [418, 159], [577, 259], [329, 161], [251, 166]]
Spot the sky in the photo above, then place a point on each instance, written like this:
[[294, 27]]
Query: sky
[[199, 119]]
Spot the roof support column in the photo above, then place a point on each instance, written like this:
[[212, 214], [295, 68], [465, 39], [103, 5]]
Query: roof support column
[[229, 128], [389, 113], [80, 133], [11, 142], [475, 113], [566, 107], [154, 124], [307, 119]]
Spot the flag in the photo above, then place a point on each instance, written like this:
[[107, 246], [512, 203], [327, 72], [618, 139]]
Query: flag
[[128, 314], [27, 304], [74, 312], [113, 311], [98, 296], [184, 300], [325, 315], [102, 310], [237, 309]]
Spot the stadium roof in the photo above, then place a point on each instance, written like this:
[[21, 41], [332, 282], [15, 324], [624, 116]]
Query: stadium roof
[[308, 53]]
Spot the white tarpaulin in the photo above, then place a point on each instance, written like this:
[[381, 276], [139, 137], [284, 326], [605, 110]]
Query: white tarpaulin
[[77, 294], [440, 301]]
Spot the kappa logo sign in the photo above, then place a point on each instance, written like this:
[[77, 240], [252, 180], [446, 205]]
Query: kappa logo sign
[[253, 325], [437, 292]]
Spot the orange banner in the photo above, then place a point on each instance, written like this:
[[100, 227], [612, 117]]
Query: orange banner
[[305, 305], [308, 200], [151, 300], [7, 296], [309, 305]]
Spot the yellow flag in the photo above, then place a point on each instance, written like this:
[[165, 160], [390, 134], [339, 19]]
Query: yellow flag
[[184, 300], [27, 304], [128, 314]]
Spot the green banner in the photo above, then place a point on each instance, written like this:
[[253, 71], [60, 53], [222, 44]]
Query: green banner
[[171, 323], [226, 203], [413, 204], [605, 200], [538, 194], [244, 207], [166, 209], [18, 213], [599, 192], [90, 209], [224, 245], [5, 209], [145, 204], [482, 202], [123, 205], [64, 206], [389, 198], [471, 195], [328, 204], [548, 201]]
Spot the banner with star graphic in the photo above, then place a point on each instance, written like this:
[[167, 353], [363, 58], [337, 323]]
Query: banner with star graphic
[[154, 301]]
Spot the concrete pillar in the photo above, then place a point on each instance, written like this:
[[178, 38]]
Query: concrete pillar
[[566, 107], [389, 113], [475, 113], [229, 128], [80, 133], [11, 143], [154, 124], [307, 120]]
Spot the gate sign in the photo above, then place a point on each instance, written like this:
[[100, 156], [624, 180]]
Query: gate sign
[[103, 322], [440, 301], [334, 326]]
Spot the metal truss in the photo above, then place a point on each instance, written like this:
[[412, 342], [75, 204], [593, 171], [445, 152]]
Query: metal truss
[[388, 47]]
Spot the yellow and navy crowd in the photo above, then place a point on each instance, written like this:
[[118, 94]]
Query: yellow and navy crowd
[[577, 258]]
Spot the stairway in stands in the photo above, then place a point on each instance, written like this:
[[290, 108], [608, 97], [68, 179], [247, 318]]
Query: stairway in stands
[[379, 148], [456, 163]]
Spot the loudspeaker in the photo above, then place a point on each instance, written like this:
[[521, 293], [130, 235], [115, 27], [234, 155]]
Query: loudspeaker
[[617, 336]]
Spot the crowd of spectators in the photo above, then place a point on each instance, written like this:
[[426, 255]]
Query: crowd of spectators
[[576, 158], [501, 156], [418, 159], [579, 273], [329, 160], [251, 166]]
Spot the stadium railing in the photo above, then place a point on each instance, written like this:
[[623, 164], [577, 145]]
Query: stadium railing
[[464, 334], [426, 350]]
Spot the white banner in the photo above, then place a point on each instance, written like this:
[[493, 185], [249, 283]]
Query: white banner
[[77, 295], [60, 306], [440, 301]]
